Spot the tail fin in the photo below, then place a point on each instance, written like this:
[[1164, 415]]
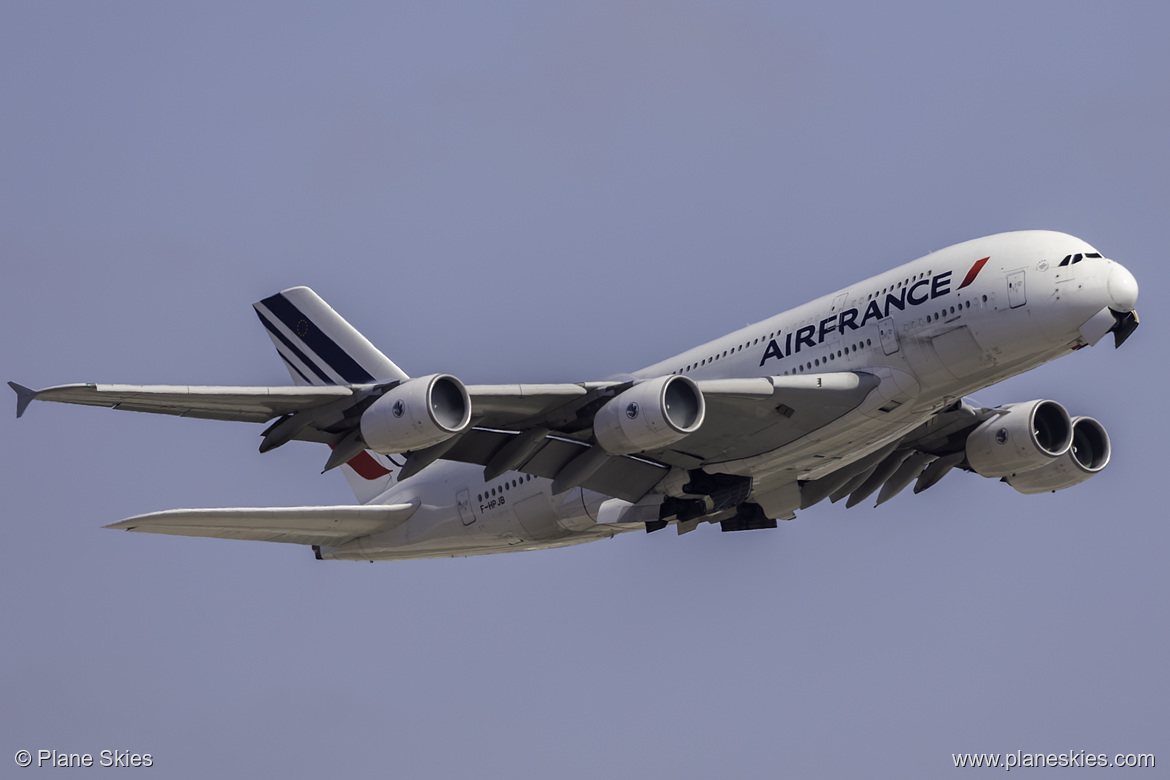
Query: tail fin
[[318, 345], [320, 348]]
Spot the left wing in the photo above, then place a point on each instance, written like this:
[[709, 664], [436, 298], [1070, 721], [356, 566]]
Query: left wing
[[493, 404], [544, 429], [242, 404]]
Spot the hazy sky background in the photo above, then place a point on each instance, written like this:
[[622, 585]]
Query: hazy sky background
[[561, 192]]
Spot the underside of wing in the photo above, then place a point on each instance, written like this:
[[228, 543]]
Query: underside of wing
[[500, 406], [923, 456], [547, 430], [314, 525], [744, 417], [747, 417], [627, 478]]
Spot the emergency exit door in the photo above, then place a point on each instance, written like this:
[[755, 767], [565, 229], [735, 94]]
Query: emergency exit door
[[463, 501], [1017, 295], [888, 335]]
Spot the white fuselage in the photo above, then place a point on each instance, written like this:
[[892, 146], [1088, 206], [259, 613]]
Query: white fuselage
[[933, 330]]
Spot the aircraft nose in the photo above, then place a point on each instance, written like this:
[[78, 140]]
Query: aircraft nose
[[1123, 288]]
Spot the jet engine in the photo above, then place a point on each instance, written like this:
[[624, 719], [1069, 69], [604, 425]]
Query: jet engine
[[649, 415], [417, 413], [1088, 454], [1025, 436]]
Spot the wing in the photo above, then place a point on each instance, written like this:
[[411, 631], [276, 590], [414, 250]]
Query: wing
[[782, 409], [316, 525], [242, 404], [542, 429], [494, 405], [924, 456], [744, 417]]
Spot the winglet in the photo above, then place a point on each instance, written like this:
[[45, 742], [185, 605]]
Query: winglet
[[24, 397]]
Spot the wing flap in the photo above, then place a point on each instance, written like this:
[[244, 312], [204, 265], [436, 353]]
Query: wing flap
[[319, 525], [240, 404], [500, 406]]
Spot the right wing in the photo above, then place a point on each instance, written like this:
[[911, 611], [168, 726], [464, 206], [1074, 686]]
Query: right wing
[[314, 525]]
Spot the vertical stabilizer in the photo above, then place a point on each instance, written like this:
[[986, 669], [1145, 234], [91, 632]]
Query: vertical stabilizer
[[371, 474], [319, 347]]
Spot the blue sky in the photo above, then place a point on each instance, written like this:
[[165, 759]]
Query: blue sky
[[561, 192]]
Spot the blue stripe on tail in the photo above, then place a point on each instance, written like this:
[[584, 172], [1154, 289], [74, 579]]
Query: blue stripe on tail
[[312, 336]]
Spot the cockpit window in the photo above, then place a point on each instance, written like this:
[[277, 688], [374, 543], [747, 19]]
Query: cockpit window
[[1074, 259]]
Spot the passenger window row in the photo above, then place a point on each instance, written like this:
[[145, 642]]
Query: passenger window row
[[507, 485]]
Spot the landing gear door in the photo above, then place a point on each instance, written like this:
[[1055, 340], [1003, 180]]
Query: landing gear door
[[888, 335], [463, 501], [1017, 295]]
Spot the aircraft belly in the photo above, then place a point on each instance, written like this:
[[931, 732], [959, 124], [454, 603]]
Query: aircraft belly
[[536, 518]]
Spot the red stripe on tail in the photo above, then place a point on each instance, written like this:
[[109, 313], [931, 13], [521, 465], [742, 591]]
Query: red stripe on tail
[[366, 467]]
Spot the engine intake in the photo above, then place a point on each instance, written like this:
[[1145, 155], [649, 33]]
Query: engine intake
[[1088, 454], [1026, 436], [653, 414], [417, 413]]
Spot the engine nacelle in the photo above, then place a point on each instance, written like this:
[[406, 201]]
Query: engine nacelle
[[1088, 454], [649, 415], [1026, 436], [417, 413]]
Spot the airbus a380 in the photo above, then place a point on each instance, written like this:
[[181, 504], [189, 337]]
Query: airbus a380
[[855, 393]]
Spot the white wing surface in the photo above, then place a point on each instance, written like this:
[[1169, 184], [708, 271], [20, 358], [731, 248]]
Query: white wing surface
[[315, 525], [209, 402]]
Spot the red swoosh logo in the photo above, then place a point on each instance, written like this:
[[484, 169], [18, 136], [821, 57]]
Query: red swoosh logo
[[975, 269]]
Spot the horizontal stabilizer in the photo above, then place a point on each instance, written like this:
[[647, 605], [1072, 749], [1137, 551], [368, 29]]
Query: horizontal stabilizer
[[319, 525]]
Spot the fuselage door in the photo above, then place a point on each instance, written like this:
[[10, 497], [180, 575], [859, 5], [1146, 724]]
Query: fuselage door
[[463, 501], [833, 334], [1017, 295], [889, 335]]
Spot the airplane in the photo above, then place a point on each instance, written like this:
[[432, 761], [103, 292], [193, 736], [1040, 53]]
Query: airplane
[[859, 391]]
